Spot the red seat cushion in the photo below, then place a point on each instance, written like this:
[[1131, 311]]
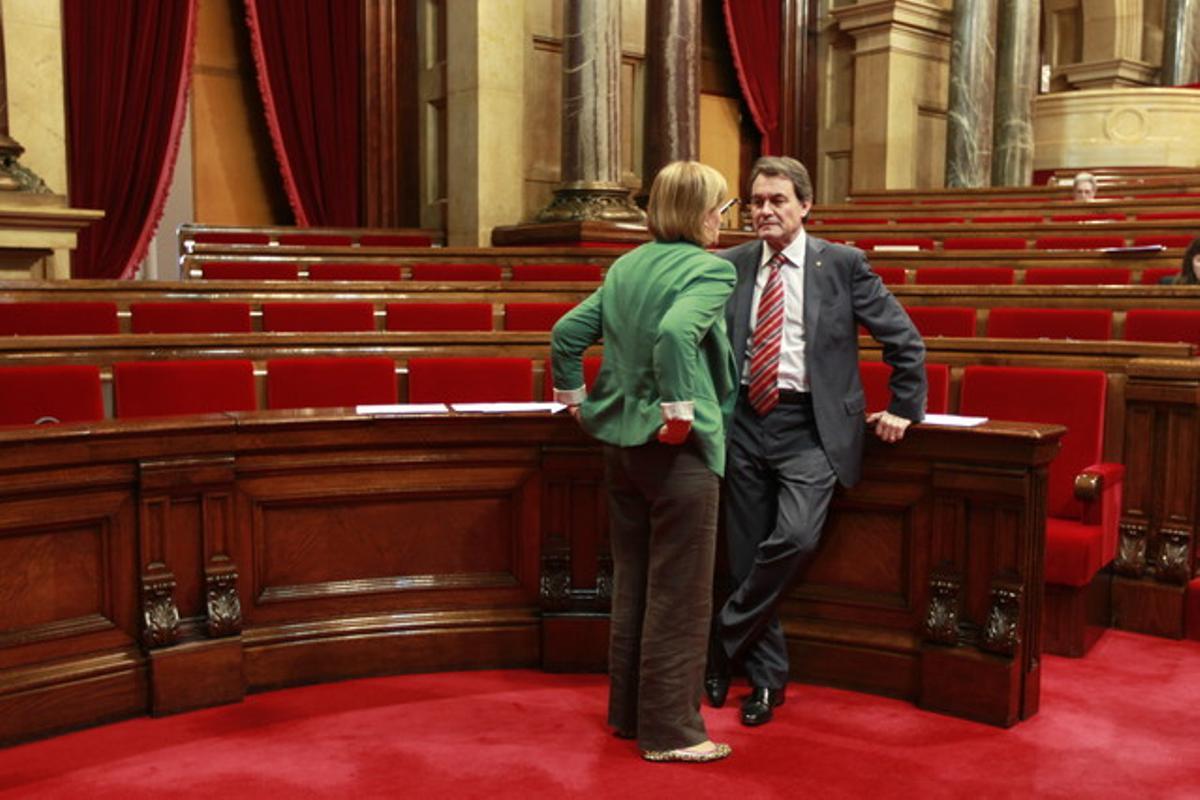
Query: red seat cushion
[[943, 320], [354, 272], [1078, 242], [591, 273], [1074, 551], [166, 388], [323, 239], [62, 393], [439, 317], [190, 317], [456, 272], [318, 317], [984, 243], [1050, 323], [1164, 239], [1077, 276], [469, 380], [394, 240], [875, 376], [53, 318], [1162, 325], [1154, 275], [533, 316], [330, 382], [250, 271], [892, 276], [965, 276]]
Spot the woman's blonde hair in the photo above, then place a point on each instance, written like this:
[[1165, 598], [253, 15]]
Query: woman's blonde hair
[[682, 195]]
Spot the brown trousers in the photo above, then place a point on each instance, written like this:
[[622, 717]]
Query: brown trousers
[[663, 524]]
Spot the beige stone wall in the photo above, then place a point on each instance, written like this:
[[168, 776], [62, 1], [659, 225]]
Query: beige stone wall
[[33, 56], [1102, 44]]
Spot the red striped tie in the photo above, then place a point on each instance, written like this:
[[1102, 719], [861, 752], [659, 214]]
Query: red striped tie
[[767, 342]]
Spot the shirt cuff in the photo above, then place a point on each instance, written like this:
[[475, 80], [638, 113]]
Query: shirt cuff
[[678, 409], [570, 397]]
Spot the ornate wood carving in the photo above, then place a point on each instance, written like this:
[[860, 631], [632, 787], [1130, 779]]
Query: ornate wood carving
[[555, 583], [945, 602], [1172, 564], [160, 615], [1001, 631], [223, 604], [1131, 550]]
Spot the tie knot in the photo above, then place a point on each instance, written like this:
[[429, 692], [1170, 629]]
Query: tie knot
[[777, 260]]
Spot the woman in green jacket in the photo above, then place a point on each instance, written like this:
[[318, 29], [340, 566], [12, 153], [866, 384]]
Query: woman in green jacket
[[660, 403]]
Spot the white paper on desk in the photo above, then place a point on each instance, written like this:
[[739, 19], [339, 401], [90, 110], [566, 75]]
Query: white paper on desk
[[505, 408], [954, 420], [403, 408]]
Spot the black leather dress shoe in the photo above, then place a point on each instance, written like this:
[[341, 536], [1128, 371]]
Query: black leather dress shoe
[[757, 708], [716, 687]]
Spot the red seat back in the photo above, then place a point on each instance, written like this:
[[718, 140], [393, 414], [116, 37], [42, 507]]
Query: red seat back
[[1078, 242], [1163, 239], [943, 320], [1154, 275], [984, 243], [965, 276], [321, 239], [456, 272], [1097, 217], [190, 317], [885, 242], [250, 271], [1008, 219], [439, 317], [354, 272], [851, 221], [1077, 276], [533, 316], [330, 382], [591, 368], [469, 380], [57, 319], [1162, 325], [394, 240], [318, 317], [876, 374], [892, 276], [231, 237], [167, 388], [592, 273], [59, 393], [1161, 215], [1050, 323]]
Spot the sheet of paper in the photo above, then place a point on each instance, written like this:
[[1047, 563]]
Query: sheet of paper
[[506, 408], [954, 420], [403, 408]]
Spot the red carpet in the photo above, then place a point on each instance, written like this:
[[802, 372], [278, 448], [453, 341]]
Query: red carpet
[[1124, 722]]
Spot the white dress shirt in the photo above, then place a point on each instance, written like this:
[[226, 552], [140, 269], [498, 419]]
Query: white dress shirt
[[792, 374]]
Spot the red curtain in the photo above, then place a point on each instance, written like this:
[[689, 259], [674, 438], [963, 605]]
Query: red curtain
[[307, 54], [127, 69], [754, 36]]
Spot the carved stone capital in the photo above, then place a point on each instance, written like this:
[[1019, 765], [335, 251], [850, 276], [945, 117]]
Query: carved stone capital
[[1131, 550], [1000, 631], [581, 203], [160, 615], [942, 614], [223, 604], [1172, 564]]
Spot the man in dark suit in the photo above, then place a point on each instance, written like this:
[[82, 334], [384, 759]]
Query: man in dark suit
[[799, 421]]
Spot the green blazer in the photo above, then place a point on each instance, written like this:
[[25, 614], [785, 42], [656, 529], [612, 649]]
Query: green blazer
[[661, 313]]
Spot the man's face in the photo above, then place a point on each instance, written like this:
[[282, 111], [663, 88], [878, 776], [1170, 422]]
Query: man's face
[[777, 213], [1085, 192]]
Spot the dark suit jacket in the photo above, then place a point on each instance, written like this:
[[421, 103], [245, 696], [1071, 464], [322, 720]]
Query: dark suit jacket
[[840, 292]]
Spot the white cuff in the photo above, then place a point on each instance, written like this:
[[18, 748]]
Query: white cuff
[[678, 409], [570, 397]]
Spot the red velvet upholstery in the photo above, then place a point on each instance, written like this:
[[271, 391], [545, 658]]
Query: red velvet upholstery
[[190, 317], [1162, 325], [1152, 215], [439, 317], [919, 220], [168, 388], [892, 276], [876, 374], [1164, 239], [1005, 219], [53, 318], [1097, 217], [943, 320], [882, 242], [230, 237], [851, 221], [984, 243], [60, 393], [394, 240], [533, 316], [591, 368], [965, 276], [469, 380], [592, 273], [354, 272], [319, 239], [1191, 613], [1079, 540], [1078, 242], [456, 272], [251, 271], [330, 382], [1076, 276], [1154, 275], [1149, 196], [318, 317], [1050, 323]]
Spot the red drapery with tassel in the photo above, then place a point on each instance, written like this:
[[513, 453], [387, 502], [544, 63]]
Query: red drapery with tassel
[[307, 55], [754, 36], [128, 65]]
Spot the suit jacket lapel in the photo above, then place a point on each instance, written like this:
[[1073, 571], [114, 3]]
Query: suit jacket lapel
[[747, 268], [812, 283]]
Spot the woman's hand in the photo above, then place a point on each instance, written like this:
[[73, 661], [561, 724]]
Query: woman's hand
[[675, 431]]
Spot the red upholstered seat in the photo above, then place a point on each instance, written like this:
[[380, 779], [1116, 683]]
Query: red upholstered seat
[[1162, 325], [943, 320], [591, 368], [231, 237], [1077, 276], [1096, 217], [52, 318], [892, 276], [354, 272], [965, 276], [1050, 323], [59, 393], [852, 221], [883, 243], [1164, 239], [190, 317], [1078, 242], [876, 375], [591, 273], [1154, 275], [318, 317], [456, 272], [919, 220], [1081, 536], [439, 317], [168, 388], [1168, 195], [1153, 215], [310, 239], [984, 243], [469, 380], [533, 316], [330, 382], [250, 271], [1006, 219], [394, 240]]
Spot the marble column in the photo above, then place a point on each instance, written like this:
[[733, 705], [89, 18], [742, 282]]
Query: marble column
[[591, 186], [1181, 43], [672, 85], [1016, 86], [972, 81]]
